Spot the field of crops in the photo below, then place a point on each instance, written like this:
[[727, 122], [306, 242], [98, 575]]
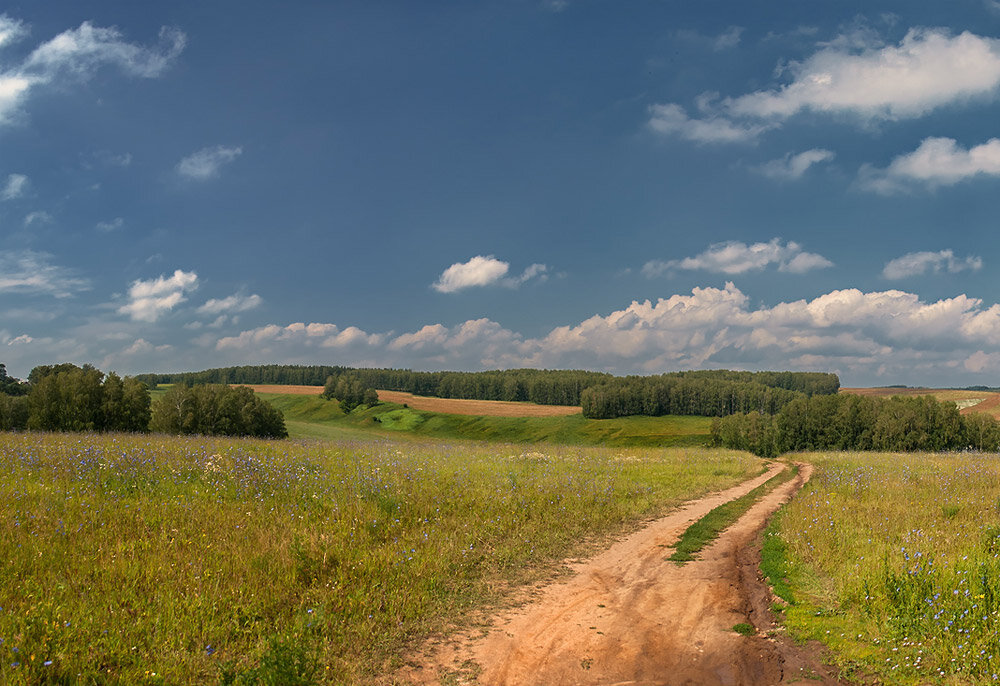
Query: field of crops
[[145, 559], [894, 561]]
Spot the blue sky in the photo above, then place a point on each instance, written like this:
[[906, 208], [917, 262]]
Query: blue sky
[[633, 187]]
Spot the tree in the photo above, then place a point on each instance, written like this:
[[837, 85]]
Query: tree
[[216, 410]]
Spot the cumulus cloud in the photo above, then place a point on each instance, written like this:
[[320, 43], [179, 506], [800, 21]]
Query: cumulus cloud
[[792, 167], [863, 335], [15, 187], [936, 162], [919, 263], [484, 271], [206, 163], [858, 76], [148, 300], [234, 303], [28, 271], [75, 55], [734, 257]]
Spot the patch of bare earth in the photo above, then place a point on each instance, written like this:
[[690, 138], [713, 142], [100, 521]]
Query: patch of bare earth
[[284, 390], [629, 616], [488, 408]]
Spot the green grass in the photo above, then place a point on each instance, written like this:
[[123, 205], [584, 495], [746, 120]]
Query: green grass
[[314, 417], [708, 528], [893, 561], [165, 560]]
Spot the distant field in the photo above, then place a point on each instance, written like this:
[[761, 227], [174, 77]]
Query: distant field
[[967, 401], [314, 417], [487, 408], [478, 408]]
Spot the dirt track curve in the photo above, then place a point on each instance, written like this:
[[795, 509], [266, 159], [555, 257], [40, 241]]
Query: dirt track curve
[[630, 617]]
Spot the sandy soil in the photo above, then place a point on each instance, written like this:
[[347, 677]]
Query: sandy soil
[[490, 408], [629, 616]]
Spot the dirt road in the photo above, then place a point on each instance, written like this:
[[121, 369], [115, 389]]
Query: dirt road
[[629, 616]]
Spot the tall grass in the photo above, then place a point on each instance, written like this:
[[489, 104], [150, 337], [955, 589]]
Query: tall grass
[[146, 559], [895, 560]]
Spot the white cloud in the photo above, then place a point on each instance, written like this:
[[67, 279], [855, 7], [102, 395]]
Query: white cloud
[[919, 263], [109, 226], [858, 76], [479, 271], [929, 68], [148, 300], [729, 38], [28, 271], [936, 162], [792, 167], [672, 119], [234, 303], [15, 187], [75, 55], [37, 217], [206, 163], [734, 257], [11, 30], [485, 271]]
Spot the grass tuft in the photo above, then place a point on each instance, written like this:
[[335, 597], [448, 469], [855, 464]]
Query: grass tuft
[[708, 528]]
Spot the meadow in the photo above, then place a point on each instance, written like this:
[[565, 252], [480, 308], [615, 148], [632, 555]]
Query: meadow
[[893, 560], [130, 559], [314, 417]]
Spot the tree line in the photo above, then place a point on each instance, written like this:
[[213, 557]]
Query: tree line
[[707, 392], [714, 393], [541, 386], [852, 422], [65, 397]]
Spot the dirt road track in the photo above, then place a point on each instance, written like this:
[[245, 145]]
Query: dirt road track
[[630, 617]]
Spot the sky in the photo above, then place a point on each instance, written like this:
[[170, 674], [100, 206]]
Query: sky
[[636, 187]]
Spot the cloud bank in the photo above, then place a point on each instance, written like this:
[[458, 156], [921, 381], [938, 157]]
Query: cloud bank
[[867, 336]]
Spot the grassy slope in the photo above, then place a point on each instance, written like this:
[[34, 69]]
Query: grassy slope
[[312, 417]]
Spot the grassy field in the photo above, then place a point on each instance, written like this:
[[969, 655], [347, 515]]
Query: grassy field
[[894, 561], [313, 417], [146, 559]]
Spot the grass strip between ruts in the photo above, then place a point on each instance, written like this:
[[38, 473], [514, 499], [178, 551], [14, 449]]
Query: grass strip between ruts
[[708, 528]]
